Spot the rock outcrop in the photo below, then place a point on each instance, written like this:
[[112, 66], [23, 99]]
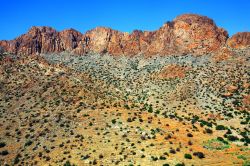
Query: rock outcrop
[[69, 39], [239, 40], [173, 71], [43, 40], [188, 33]]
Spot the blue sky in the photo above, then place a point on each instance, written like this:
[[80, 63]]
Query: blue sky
[[17, 16]]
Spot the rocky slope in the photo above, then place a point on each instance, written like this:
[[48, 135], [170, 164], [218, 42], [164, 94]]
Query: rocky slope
[[187, 33], [59, 109], [240, 40]]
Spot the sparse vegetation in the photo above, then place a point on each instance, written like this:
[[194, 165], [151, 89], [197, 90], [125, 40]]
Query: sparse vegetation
[[216, 144], [91, 109]]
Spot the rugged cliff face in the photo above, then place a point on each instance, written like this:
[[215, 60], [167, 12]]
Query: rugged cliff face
[[43, 40], [187, 33], [239, 40]]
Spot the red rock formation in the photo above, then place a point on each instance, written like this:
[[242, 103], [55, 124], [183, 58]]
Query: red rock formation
[[239, 40], [43, 40], [188, 33], [69, 39], [198, 34], [103, 40], [173, 71], [37, 40]]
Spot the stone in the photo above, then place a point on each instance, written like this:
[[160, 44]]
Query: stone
[[240, 40], [187, 34]]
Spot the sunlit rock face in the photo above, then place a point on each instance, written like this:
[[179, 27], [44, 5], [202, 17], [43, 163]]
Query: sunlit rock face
[[239, 40], [188, 33]]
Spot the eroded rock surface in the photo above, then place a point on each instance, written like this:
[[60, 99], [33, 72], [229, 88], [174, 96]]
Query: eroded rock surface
[[240, 40], [187, 33]]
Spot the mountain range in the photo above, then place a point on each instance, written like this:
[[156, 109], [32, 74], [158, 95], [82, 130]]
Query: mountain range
[[186, 34], [176, 96]]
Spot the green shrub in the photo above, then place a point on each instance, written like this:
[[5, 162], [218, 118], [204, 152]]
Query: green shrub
[[209, 131], [129, 120], [199, 154], [195, 119], [85, 157], [157, 111], [28, 143], [188, 156], [165, 165], [246, 163], [241, 157], [126, 106], [4, 153], [67, 163], [221, 127], [113, 121], [150, 109], [2, 144], [205, 123], [229, 131], [172, 151], [222, 140], [154, 158], [232, 138], [162, 158], [16, 160]]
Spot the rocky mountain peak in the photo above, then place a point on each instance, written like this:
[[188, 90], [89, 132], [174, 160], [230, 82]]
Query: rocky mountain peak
[[186, 34], [194, 19]]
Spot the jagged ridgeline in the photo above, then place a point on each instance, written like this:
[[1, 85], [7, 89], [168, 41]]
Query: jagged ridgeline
[[188, 33]]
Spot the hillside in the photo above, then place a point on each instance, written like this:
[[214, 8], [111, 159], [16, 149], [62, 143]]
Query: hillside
[[104, 110], [176, 96]]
